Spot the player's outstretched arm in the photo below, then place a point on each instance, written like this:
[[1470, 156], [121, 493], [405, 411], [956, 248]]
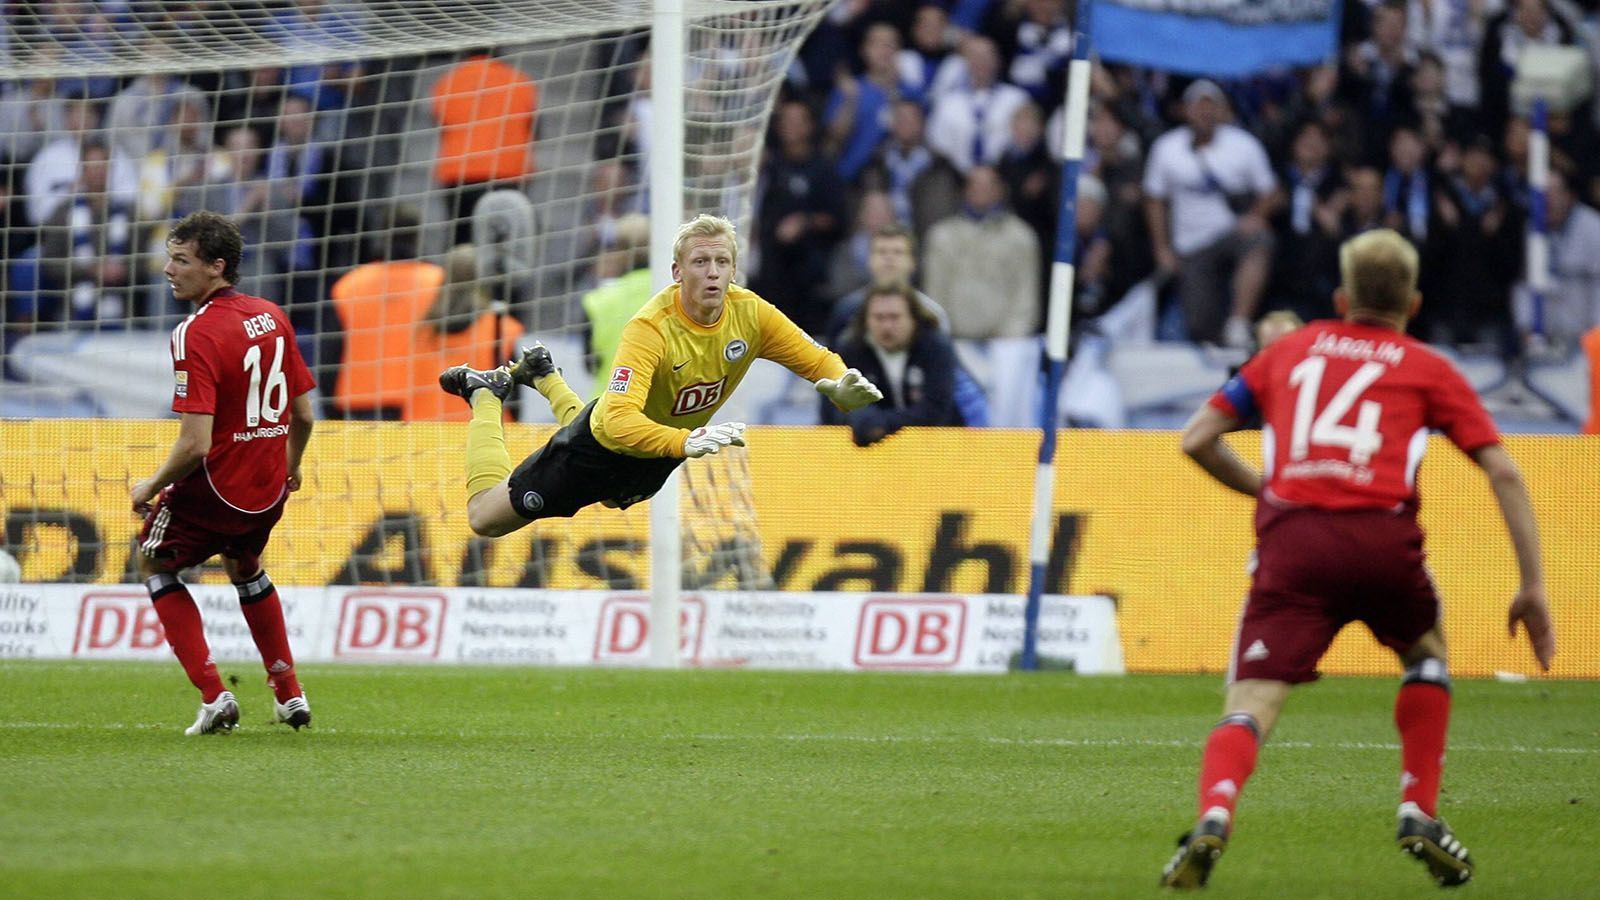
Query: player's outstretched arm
[[850, 391], [1202, 440], [1529, 606]]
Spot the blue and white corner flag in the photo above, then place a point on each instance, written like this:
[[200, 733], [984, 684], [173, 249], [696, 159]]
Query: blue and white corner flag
[[1217, 38]]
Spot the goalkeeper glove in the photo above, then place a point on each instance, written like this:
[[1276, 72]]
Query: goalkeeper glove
[[850, 391], [712, 438]]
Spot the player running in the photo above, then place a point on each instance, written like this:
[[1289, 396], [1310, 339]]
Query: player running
[[245, 418], [1347, 408], [679, 359]]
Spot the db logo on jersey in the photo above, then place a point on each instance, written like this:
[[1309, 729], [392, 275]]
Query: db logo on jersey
[[621, 377], [696, 397]]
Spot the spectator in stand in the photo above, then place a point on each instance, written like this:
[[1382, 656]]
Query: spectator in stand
[[922, 185], [896, 344], [1095, 287], [1210, 193], [1452, 32], [1572, 302], [1477, 254], [461, 324], [858, 110], [802, 214], [1307, 225], [891, 259], [485, 109], [849, 266], [85, 252], [1376, 80], [294, 206], [1527, 23], [625, 286], [54, 170], [380, 305], [1408, 207], [142, 116], [1436, 119], [1033, 181], [236, 184], [251, 97], [1364, 209], [1042, 48], [971, 122], [983, 264], [31, 112], [930, 46]]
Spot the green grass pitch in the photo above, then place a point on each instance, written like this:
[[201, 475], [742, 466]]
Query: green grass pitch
[[495, 782]]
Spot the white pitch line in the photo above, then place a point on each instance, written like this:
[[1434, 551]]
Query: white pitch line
[[1097, 743]]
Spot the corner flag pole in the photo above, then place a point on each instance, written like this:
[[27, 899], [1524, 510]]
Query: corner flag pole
[[1538, 241], [1057, 325]]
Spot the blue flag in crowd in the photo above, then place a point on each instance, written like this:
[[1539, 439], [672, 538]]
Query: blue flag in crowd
[[1219, 38]]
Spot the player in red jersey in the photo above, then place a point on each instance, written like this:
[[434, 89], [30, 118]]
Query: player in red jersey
[[245, 417], [1347, 407]]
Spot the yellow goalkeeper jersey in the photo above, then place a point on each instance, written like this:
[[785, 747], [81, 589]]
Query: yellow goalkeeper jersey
[[671, 373]]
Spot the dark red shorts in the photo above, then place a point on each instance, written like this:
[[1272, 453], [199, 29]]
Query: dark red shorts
[[1318, 570], [181, 536]]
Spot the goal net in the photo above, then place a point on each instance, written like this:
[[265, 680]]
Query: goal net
[[484, 162]]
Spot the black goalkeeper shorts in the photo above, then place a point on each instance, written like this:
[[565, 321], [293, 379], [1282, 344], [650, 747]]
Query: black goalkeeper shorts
[[572, 470]]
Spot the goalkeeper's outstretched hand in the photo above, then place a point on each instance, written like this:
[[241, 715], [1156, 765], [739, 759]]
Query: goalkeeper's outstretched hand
[[712, 438], [850, 391]]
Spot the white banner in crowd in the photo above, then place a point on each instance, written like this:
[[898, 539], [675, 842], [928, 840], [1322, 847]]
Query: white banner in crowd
[[935, 632]]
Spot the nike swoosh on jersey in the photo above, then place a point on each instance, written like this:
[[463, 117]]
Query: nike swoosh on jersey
[[680, 365]]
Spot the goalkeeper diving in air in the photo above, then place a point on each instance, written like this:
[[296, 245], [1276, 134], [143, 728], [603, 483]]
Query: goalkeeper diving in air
[[680, 357]]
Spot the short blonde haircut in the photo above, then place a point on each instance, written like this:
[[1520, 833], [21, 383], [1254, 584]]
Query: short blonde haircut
[[1378, 271], [705, 225]]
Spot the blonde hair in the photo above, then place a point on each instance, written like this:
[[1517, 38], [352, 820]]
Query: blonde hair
[[705, 225], [1378, 271]]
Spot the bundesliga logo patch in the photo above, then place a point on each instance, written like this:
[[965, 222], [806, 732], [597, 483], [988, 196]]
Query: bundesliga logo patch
[[621, 377], [181, 383]]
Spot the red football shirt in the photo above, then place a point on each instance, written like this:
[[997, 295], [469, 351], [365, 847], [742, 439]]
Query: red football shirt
[[1347, 409], [236, 360]]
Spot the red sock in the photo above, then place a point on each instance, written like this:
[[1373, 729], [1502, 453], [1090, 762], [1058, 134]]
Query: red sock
[[264, 615], [1422, 714], [1229, 759], [187, 637]]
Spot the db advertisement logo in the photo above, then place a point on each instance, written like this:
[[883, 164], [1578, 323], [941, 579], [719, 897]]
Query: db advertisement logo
[[114, 623], [623, 635], [910, 633], [390, 625]]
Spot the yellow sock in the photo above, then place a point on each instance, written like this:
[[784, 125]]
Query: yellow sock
[[564, 402], [488, 463]]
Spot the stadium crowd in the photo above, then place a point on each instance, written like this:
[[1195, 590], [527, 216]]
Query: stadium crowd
[[934, 120]]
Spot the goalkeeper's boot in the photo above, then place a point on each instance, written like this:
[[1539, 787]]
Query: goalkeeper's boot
[[1431, 841], [295, 712], [464, 380], [1198, 851], [220, 715], [531, 364]]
